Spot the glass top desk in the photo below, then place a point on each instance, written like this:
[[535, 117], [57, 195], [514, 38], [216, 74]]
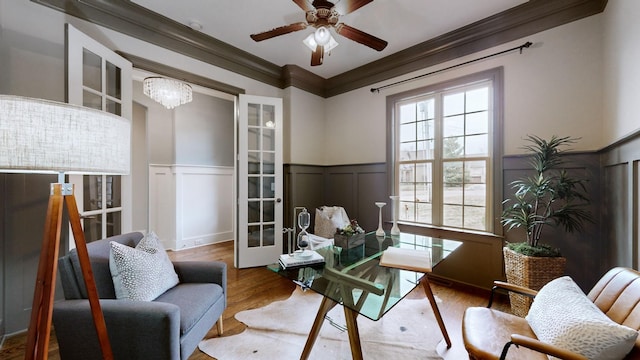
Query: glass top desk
[[354, 278]]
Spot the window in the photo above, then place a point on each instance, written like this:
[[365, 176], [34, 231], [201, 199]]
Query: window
[[446, 147]]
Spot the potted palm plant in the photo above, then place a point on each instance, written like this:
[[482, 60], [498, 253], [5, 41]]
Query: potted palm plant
[[551, 197]]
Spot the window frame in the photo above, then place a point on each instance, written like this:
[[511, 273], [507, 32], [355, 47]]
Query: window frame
[[494, 171]]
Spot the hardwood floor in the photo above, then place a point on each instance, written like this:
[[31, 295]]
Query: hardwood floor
[[257, 287]]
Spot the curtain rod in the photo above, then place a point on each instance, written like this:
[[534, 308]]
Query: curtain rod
[[521, 47]]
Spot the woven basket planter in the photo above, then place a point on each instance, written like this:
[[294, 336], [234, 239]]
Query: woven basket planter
[[531, 272]]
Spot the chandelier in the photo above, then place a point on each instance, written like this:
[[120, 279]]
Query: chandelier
[[168, 92]]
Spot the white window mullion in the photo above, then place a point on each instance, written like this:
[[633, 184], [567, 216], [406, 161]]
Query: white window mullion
[[438, 196]]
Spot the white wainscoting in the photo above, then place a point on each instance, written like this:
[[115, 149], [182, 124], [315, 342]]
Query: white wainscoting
[[191, 205]]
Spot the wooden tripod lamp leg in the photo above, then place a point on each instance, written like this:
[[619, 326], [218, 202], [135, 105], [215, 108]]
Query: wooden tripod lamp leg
[[42, 309], [87, 273]]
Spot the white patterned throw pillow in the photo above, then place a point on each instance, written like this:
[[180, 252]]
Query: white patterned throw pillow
[[142, 273], [562, 315], [328, 219]]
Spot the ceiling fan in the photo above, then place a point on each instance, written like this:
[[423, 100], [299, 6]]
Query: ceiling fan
[[322, 15]]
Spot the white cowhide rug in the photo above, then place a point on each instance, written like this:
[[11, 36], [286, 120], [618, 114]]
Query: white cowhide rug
[[279, 331]]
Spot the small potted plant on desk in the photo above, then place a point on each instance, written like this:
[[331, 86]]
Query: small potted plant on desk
[[550, 197], [350, 239]]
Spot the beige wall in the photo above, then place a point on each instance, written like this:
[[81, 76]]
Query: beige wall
[[552, 88], [621, 33], [304, 128]]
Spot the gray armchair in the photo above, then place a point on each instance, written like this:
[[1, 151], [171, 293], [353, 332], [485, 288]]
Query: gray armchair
[[170, 327]]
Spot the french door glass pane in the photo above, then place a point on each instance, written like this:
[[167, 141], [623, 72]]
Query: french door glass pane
[[254, 212], [92, 192], [113, 81], [253, 139], [91, 70], [91, 100], [114, 223], [253, 114], [268, 166], [114, 191], [253, 183], [268, 211], [253, 166], [268, 235], [254, 235], [268, 115], [114, 107], [268, 139], [269, 186], [92, 227]]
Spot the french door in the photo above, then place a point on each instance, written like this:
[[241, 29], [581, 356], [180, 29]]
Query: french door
[[259, 232], [99, 78]]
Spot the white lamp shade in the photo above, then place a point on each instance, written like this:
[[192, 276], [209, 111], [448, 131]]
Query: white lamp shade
[[47, 136]]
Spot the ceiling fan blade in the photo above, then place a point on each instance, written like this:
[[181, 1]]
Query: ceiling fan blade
[[279, 31], [346, 6], [361, 37], [304, 5], [317, 56]]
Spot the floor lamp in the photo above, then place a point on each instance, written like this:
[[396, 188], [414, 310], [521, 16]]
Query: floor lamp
[[40, 136]]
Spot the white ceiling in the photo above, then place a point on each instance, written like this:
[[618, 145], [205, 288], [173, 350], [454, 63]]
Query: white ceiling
[[402, 23]]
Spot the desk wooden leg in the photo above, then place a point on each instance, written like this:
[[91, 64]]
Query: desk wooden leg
[[436, 311], [354, 335], [326, 305]]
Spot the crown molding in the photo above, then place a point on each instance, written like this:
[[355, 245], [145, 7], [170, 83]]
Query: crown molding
[[518, 22], [134, 20], [131, 19], [179, 74]]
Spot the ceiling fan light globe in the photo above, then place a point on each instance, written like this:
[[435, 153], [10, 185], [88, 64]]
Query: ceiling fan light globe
[[331, 44], [322, 36], [310, 42]]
